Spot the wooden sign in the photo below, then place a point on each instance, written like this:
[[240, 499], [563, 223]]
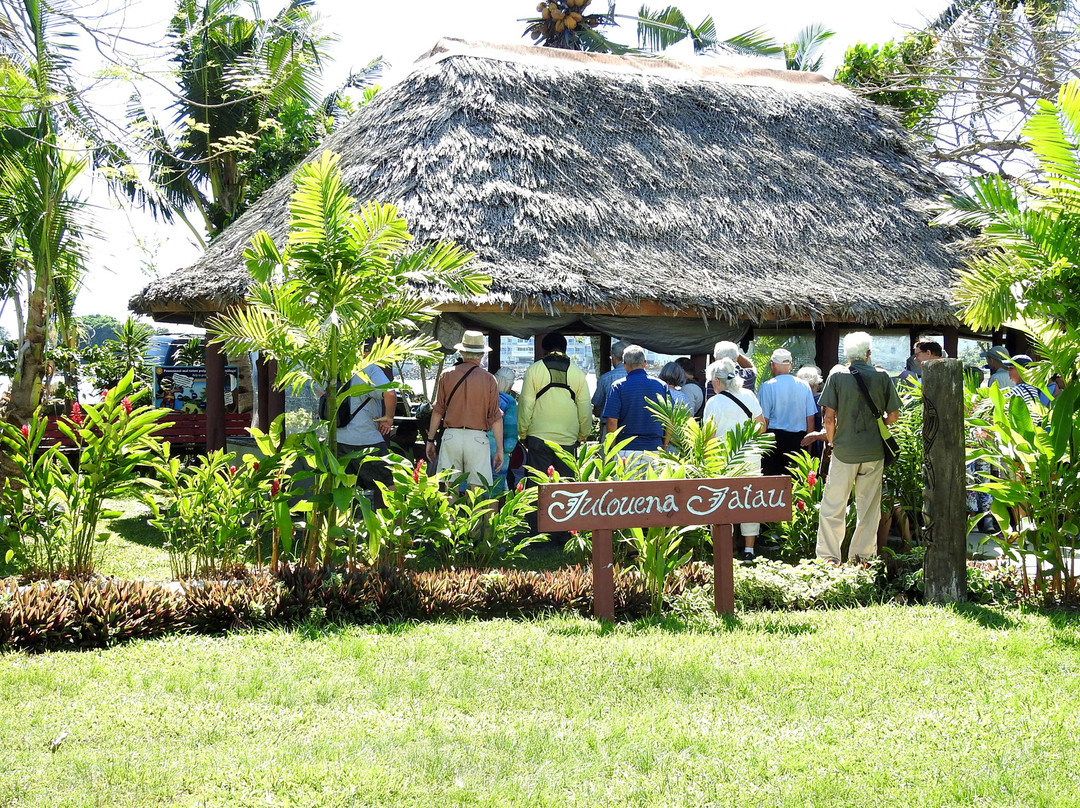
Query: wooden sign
[[602, 507]]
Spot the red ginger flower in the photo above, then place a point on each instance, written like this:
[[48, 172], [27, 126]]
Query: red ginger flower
[[520, 486], [125, 405], [811, 479], [551, 472], [275, 486], [416, 471], [232, 470], [76, 414], [25, 428], [255, 466], [105, 392], [801, 505]]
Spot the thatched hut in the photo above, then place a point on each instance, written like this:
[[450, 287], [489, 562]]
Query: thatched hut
[[669, 204]]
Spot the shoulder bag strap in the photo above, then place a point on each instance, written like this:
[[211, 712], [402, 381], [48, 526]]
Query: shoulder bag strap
[[866, 394], [735, 398], [450, 397]]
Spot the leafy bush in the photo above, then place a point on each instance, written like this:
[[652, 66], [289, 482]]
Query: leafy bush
[[53, 506], [810, 584]]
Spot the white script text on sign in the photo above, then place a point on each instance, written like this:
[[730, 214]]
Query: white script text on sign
[[646, 503]]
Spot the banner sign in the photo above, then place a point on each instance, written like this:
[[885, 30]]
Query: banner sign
[[183, 387], [651, 503]]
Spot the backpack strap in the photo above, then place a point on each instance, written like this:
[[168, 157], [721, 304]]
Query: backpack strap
[[735, 398], [557, 365]]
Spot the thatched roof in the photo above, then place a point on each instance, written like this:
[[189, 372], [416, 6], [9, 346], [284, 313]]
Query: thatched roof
[[615, 184]]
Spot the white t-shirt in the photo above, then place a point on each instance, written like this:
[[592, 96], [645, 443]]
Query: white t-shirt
[[726, 414], [362, 430]]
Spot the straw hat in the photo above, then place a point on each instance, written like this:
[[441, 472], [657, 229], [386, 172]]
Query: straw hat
[[472, 342]]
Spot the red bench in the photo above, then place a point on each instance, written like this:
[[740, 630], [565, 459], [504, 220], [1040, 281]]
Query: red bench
[[187, 433]]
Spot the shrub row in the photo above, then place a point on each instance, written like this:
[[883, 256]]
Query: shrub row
[[61, 615]]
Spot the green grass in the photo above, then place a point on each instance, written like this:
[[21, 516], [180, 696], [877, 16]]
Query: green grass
[[882, 706]]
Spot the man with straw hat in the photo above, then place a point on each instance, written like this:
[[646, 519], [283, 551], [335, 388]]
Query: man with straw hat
[[466, 407]]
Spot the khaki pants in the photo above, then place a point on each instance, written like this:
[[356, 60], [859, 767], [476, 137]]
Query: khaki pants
[[866, 479]]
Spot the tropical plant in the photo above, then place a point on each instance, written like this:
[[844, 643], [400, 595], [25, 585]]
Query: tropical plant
[[902, 482], [657, 555], [805, 52], [42, 224], [343, 293], [1038, 481], [115, 446], [235, 71], [126, 351], [485, 529], [566, 24], [1027, 254], [216, 512], [797, 538], [695, 451]]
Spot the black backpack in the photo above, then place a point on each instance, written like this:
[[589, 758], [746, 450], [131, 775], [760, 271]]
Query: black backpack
[[345, 414], [557, 366]]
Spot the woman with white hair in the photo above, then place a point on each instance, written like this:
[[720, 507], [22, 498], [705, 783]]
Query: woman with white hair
[[731, 406], [505, 379], [811, 374]]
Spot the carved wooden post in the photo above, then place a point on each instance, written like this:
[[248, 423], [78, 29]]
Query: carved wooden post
[[944, 503]]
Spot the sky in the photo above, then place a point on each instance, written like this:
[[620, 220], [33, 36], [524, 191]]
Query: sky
[[133, 246]]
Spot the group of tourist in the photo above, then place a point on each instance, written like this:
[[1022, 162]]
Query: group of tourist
[[479, 425]]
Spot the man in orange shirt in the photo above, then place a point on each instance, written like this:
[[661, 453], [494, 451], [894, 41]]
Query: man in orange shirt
[[467, 406]]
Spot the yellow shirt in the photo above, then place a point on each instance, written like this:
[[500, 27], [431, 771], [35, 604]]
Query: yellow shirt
[[555, 416]]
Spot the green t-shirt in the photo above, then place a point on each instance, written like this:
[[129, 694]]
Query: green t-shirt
[[857, 438]]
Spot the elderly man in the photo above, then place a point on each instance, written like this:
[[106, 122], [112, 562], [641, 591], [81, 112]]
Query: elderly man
[[603, 384], [922, 350], [626, 405], [744, 367], [467, 403], [858, 450], [553, 406], [787, 404], [997, 358]]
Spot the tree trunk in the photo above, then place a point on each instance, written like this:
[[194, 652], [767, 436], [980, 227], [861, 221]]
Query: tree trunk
[[944, 504], [26, 386]]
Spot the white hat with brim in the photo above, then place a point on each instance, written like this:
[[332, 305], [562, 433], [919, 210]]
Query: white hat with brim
[[472, 342]]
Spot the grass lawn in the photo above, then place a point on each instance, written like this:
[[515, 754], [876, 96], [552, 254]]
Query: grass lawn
[[883, 706]]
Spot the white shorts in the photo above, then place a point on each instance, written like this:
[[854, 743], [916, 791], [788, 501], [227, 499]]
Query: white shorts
[[467, 450]]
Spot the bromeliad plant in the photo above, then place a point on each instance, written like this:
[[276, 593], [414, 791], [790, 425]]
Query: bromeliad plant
[[114, 446], [345, 276]]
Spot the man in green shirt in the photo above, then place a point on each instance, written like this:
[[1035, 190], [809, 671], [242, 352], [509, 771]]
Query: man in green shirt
[[858, 452]]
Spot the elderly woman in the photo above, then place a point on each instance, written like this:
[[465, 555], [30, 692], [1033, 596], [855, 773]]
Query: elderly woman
[[811, 374], [731, 406], [505, 379], [675, 377]]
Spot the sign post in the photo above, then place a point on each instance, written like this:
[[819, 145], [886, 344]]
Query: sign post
[[603, 507]]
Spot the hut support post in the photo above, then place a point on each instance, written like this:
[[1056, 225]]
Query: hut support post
[[262, 394], [275, 399], [605, 355], [944, 500], [826, 346], [950, 336], [495, 357], [215, 395]]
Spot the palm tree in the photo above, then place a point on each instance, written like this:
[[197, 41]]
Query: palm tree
[[1029, 266], [345, 277], [42, 238], [568, 25], [234, 72], [805, 52]]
